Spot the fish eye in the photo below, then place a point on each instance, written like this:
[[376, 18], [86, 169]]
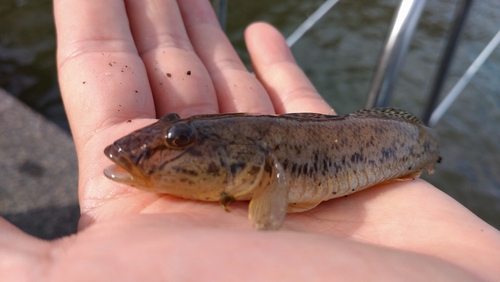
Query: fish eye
[[180, 135]]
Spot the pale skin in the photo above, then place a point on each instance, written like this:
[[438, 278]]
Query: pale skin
[[113, 60]]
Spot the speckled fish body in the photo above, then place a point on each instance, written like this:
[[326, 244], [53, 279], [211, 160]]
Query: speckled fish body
[[284, 163]]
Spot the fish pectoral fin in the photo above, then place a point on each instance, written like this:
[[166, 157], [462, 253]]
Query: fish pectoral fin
[[268, 207]]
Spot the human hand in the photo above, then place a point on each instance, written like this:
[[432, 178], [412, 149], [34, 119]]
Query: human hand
[[120, 62]]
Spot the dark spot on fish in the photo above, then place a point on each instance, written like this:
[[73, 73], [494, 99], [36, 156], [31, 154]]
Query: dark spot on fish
[[377, 129], [285, 164], [213, 168], [129, 120], [185, 180], [387, 153], [299, 170], [222, 162], [185, 171], [305, 168], [337, 167], [267, 167], [84, 82], [370, 142], [195, 152], [334, 193], [254, 170], [427, 146], [354, 158], [217, 136], [188, 72], [410, 150], [237, 167], [297, 149], [439, 160], [169, 74]]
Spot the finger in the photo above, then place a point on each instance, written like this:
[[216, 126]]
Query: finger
[[103, 81], [237, 89], [273, 63], [179, 81]]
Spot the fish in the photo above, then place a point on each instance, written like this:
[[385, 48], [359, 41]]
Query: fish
[[280, 163]]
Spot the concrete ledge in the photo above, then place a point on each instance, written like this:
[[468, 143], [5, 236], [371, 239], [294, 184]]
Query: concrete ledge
[[38, 172]]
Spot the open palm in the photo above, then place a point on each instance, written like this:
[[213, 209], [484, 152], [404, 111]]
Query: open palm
[[123, 65]]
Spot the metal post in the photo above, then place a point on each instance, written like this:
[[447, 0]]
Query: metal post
[[396, 46], [437, 85]]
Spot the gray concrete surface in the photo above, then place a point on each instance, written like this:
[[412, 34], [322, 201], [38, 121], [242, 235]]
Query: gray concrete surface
[[38, 172]]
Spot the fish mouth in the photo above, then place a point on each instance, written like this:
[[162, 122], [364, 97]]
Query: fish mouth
[[124, 170]]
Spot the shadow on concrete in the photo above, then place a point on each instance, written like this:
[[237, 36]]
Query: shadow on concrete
[[38, 172], [47, 223]]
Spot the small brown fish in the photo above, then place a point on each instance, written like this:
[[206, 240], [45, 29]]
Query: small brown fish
[[281, 163]]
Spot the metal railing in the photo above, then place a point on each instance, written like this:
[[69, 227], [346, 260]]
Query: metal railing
[[394, 51], [456, 29]]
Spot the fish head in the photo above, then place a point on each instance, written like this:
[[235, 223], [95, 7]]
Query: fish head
[[182, 158], [140, 155]]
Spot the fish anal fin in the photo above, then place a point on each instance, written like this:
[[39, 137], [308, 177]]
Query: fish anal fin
[[406, 177], [300, 207]]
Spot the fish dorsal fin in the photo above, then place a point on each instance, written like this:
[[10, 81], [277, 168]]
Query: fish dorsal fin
[[389, 113], [309, 116]]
